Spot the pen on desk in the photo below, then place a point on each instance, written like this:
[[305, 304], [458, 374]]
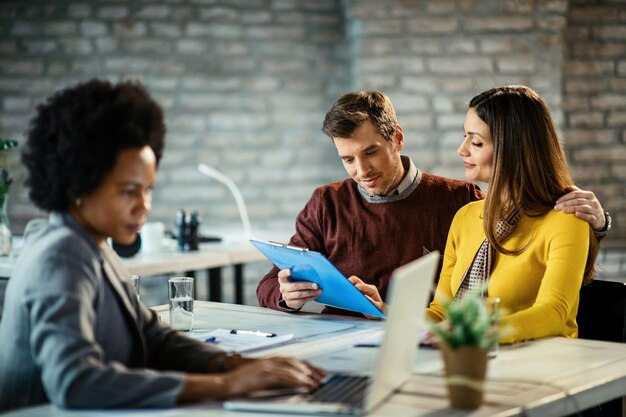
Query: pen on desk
[[367, 345], [375, 345], [252, 333], [211, 339]]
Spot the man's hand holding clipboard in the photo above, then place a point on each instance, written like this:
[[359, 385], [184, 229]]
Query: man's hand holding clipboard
[[296, 293], [312, 268]]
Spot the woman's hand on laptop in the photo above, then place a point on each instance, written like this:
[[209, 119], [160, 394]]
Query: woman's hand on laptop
[[296, 294], [371, 292], [273, 372], [251, 375]]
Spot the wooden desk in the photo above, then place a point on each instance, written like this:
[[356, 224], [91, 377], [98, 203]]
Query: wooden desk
[[549, 377]]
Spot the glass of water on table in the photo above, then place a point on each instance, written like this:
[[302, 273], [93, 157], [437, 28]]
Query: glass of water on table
[[180, 290]]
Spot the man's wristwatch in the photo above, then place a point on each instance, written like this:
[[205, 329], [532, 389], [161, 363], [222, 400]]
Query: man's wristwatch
[[283, 304], [607, 226]]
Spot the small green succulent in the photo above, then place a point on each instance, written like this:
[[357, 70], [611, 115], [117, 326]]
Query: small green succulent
[[5, 178], [469, 323]]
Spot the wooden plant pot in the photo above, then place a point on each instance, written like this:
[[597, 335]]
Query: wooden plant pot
[[465, 370]]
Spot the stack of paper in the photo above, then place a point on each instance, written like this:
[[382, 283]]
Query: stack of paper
[[242, 343]]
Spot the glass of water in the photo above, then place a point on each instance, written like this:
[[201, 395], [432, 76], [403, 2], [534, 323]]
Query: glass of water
[[493, 309], [180, 291]]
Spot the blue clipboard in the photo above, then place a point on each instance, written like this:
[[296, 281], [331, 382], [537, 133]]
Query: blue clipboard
[[307, 265]]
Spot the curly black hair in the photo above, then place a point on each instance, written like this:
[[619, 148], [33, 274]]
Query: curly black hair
[[77, 134]]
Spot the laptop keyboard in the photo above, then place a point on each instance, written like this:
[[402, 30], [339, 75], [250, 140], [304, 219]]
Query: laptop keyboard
[[346, 389]]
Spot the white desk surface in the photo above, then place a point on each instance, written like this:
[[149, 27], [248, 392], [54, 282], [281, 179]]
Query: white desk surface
[[210, 255], [234, 250], [214, 255], [549, 377]]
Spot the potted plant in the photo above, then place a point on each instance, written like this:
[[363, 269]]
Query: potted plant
[[5, 184], [465, 339]]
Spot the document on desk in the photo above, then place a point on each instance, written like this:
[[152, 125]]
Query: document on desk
[[242, 342], [308, 265]]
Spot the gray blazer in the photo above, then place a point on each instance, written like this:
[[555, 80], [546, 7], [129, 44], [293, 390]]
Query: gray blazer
[[73, 333]]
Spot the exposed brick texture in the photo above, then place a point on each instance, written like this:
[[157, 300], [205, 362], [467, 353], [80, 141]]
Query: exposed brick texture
[[245, 84], [595, 132]]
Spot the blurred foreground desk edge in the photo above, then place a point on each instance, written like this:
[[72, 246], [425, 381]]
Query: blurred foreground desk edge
[[544, 378]]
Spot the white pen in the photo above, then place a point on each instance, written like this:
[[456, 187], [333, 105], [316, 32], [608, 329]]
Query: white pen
[[253, 333]]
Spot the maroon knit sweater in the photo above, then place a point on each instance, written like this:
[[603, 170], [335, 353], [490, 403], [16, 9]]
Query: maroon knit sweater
[[370, 240]]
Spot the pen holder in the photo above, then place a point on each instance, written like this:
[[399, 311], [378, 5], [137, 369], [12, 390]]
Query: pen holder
[[187, 227]]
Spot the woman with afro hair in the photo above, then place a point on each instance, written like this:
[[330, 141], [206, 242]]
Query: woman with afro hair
[[72, 332]]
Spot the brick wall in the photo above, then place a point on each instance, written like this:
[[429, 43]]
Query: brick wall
[[594, 101], [433, 56], [245, 83]]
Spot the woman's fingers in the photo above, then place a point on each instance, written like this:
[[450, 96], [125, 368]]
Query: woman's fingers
[[274, 372]]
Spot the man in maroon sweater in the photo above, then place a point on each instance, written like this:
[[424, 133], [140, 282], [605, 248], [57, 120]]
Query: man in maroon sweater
[[385, 215]]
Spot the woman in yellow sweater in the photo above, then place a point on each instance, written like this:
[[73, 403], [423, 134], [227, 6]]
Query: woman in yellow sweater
[[514, 245]]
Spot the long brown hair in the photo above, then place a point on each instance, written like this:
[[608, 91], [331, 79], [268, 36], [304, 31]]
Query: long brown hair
[[530, 170]]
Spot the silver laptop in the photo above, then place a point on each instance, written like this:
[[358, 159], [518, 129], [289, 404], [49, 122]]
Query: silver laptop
[[354, 394]]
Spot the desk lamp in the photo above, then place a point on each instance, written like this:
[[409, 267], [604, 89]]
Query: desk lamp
[[241, 206]]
